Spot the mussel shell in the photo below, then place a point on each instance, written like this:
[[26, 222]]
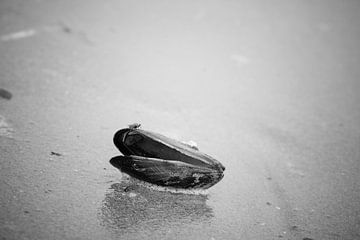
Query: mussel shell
[[163, 161], [167, 173]]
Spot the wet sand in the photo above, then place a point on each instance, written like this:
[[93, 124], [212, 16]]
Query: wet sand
[[270, 89]]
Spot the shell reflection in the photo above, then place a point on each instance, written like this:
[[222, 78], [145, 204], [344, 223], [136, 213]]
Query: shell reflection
[[132, 208]]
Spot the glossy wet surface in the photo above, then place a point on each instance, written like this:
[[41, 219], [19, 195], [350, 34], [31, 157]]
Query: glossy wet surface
[[269, 89]]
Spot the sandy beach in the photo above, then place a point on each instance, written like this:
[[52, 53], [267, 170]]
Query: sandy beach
[[270, 89]]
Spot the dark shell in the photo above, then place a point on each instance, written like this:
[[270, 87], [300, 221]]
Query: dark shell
[[163, 161]]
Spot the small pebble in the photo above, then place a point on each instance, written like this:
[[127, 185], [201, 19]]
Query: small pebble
[[5, 94], [134, 125], [128, 188], [56, 154]]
